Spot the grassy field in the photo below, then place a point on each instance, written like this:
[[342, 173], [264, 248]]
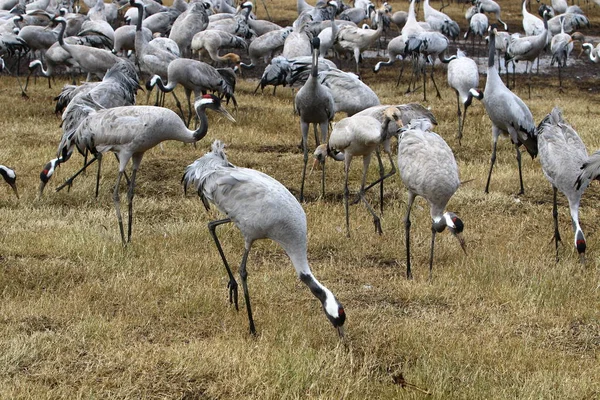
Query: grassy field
[[83, 317]]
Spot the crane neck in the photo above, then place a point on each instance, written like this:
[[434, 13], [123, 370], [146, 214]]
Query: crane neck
[[140, 8], [203, 123], [61, 34], [314, 71], [492, 50]]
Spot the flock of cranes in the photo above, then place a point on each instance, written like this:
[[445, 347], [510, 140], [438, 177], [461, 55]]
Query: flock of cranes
[[100, 117]]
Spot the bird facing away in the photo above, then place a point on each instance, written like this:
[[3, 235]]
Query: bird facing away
[[508, 113], [130, 131], [10, 177], [428, 169], [562, 153], [359, 135], [462, 77], [315, 105], [261, 208], [561, 47]]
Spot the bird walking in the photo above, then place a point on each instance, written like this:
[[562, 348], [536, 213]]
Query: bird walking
[[428, 169], [562, 153], [359, 135], [261, 208], [508, 113], [130, 131], [315, 105]]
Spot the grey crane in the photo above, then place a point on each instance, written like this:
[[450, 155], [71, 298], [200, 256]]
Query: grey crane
[[315, 105], [264, 46], [125, 38], [561, 47], [238, 25], [508, 113], [118, 88], [10, 177], [187, 25], [593, 51], [478, 26], [440, 22], [491, 7], [462, 77], [280, 71], [161, 22], [130, 131], [91, 59], [297, 43], [350, 94], [562, 153], [196, 77], [528, 48], [359, 135], [532, 25], [212, 40], [428, 169], [395, 50], [261, 26], [356, 40], [261, 208]]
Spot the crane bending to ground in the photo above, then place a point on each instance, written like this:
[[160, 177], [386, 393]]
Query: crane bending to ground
[[261, 208]]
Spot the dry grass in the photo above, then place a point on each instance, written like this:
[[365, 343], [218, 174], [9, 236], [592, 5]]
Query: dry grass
[[83, 317]]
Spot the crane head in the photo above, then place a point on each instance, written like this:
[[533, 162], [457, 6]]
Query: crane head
[[47, 173], [455, 226], [10, 177], [316, 42], [212, 102]]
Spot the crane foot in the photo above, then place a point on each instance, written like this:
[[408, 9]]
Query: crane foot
[[233, 293]]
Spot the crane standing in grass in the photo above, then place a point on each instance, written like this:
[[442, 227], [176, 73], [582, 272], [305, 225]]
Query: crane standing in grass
[[562, 153], [508, 113], [462, 77], [315, 105], [130, 131], [10, 177], [261, 208], [428, 169]]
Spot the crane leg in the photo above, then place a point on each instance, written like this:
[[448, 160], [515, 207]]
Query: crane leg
[[324, 131], [424, 82], [361, 193], [462, 125], [244, 277], [433, 232], [493, 160], [189, 118], [439, 96], [459, 135], [130, 195], [346, 194], [411, 199], [389, 174], [522, 190], [232, 285], [555, 216], [400, 75], [117, 203], [99, 157], [69, 181], [381, 175], [304, 128]]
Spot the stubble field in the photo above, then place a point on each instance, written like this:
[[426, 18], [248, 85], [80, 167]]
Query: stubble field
[[83, 317]]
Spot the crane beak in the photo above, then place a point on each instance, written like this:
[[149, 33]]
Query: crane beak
[[223, 111], [582, 258], [340, 330], [461, 240], [14, 188]]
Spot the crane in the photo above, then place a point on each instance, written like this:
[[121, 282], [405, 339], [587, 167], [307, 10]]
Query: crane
[[428, 169], [130, 131], [561, 47], [359, 135], [508, 113], [315, 105], [261, 208], [562, 153], [462, 77], [10, 177]]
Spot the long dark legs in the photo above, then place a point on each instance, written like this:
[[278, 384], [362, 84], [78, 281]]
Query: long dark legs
[[433, 232], [117, 203], [459, 114], [244, 276], [130, 194], [555, 216], [411, 199], [232, 285], [521, 190], [304, 129], [347, 162], [493, 160]]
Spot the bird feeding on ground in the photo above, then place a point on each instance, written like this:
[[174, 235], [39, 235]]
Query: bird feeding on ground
[[261, 208]]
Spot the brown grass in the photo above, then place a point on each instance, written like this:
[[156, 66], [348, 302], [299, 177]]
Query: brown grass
[[83, 317]]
